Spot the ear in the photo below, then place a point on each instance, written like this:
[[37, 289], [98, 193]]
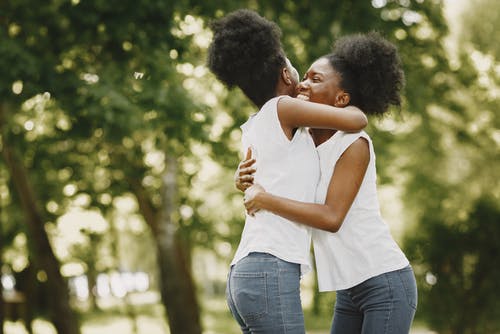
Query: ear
[[342, 99], [285, 76]]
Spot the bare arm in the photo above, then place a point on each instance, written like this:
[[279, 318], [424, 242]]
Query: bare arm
[[344, 186], [295, 113]]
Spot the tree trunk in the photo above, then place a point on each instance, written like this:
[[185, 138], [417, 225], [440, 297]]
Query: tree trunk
[[177, 287], [92, 286], [62, 316], [129, 309], [92, 273]]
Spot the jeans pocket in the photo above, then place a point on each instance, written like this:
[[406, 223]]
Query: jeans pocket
[[249, 293], [410, 286]]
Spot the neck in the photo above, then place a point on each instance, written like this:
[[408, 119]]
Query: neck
[[284, 89], [321, 135]]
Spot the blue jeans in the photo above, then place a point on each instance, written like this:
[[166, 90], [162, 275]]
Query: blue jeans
[[383, 304], [263, 294]]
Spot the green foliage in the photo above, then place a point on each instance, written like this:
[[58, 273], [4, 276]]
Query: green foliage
[[461, 255], [95, 94], [480, 23], [450, 194]]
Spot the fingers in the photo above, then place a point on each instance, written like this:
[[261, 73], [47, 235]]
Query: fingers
[[250, 209], [246, 185], [251, 213], [249, 153], [245, 178], [245, 172], [244, 181], [246, 163], [240, 187], [243, 186]]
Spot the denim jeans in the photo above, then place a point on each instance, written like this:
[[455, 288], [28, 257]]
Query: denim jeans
[[383, 304], [263, 294]]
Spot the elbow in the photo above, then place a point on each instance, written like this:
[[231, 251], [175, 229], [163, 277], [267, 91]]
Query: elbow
[[359, 122], [333, 225], [333, 228], [362, 122]]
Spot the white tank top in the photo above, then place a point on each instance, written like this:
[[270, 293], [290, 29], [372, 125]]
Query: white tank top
[[363, 247], [288, 168]]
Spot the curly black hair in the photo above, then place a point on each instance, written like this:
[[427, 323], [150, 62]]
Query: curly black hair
[[371, 71], [246, 52]]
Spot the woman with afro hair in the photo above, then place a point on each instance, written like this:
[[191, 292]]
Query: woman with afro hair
[[263, 289], [354, 251]]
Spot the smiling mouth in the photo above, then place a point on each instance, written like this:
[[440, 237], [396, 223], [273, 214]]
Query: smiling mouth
[[303, 97]]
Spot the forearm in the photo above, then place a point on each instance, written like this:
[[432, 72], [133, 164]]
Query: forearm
[[295, 113], [315, 215], [349, 121]]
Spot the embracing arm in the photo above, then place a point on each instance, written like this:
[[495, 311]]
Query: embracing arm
[[343, 188], [295, 113]]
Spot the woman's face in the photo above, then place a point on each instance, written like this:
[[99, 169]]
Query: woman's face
[[320, 84]]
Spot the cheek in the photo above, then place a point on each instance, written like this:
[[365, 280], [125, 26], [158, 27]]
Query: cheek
[[323, 95]]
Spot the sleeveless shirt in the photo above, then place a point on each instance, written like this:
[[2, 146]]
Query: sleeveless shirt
[[363, 247], [288, 168]]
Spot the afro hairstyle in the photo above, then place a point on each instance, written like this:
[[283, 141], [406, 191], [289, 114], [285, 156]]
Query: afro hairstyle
[[246, 52], [370, 71]]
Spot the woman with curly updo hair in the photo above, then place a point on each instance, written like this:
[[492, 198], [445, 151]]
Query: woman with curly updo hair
[[263, 289], [354, 251]]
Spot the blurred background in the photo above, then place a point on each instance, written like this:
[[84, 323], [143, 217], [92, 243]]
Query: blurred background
[[118, 211]]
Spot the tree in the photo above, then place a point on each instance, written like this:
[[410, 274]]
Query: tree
[[101, 89], [87, 63], [461, 280], [62, 317], [105, 99], [450, 190], [480, 22]]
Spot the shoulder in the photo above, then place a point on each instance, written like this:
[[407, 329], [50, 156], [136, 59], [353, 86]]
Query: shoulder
[[346, 139], [273, 103], [358, 150], [352, 136], [284, 101], [359, 145]]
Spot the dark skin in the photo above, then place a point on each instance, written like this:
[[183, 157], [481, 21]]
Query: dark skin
[[303, 112], [321, 84], [294, 113]]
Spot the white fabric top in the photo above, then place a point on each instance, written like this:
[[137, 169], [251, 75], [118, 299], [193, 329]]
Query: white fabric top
[[363, 247], [288, 168]]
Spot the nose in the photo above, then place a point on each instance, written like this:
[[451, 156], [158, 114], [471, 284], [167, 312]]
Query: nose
[[304, 84]]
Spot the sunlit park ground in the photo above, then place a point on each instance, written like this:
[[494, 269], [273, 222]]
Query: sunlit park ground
[[144, 315]]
